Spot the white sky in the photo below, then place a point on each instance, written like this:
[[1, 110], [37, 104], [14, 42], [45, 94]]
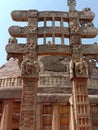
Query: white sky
[[6, 6]]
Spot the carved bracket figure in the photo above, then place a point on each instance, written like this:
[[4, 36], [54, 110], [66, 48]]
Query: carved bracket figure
[[30, 65], [78, 69]]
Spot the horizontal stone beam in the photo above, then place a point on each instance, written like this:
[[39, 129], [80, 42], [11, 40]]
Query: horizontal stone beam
[[86, 32], [19, 49], [15, 93], [22, 15]]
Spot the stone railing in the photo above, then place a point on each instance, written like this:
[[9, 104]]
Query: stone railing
[[93, 83], [10, 82], [48, 80]]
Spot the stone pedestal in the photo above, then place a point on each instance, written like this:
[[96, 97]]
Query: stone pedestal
[[56, 117], [7, 114]]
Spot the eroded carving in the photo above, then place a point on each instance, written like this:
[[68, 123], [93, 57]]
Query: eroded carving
[[75, 39], [78, 69], [86, 24], [30, 64], [74, 26], [92, 63], [54, 64], [27, 119], [31, 29], [71, 4], [32, 13], [12, 40], [81, 68]]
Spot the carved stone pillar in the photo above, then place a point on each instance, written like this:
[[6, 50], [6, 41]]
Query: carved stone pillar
[[55, 117], [32, 26], [30, 76], [81, 104], [28, 104], [78, 73], [7, 114]]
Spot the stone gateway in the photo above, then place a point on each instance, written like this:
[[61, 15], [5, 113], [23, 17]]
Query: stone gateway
[[50, 86]]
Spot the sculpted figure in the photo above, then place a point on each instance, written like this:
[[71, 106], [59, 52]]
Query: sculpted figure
[[71, 4], [90, 24], [78, 69], [86, 9], [32, 13], [30, 65], [12, 40], [81, 68]]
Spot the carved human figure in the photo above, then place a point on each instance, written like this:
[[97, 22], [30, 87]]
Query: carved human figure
[[78, 69], [71, 4], [12, 40], [81, 68], [30, 65]]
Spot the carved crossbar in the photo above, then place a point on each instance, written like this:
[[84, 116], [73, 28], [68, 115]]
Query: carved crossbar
[[16, 50]]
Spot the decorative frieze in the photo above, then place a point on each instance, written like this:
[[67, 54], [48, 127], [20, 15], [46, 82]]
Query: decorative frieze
[[54, 81]]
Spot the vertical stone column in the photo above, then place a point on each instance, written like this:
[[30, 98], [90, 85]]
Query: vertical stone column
[[55, 117], [28, 104], [61, 26], [53, 34], [81, 104], [32, 26], [78, 73], [7, 114], [38, 116], [30, 76], [71, 124], [44, 31], [62, 39]]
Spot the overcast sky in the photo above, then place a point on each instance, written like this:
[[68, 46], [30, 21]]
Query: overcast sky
[[6, 6]]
